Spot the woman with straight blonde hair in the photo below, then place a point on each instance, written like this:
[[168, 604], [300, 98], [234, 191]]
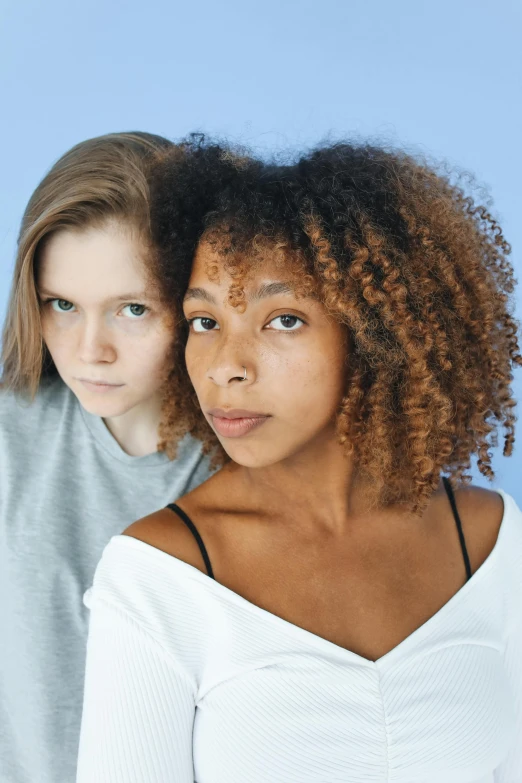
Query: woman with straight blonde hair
[[86, 350]]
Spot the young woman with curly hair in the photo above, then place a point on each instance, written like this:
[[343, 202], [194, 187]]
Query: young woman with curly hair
[[337, 603], [86, 349]]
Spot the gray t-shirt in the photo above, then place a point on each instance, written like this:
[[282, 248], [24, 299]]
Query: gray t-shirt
[[66, 487]]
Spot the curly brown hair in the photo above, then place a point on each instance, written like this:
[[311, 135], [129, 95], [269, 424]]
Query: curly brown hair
[[402, 255]]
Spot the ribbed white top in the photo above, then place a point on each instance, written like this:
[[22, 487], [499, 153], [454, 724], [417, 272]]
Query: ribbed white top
[[188, 681]]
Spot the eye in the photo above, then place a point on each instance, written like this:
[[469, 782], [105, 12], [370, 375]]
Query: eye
[[199, 325], [286, 323], [61, 305], [135, 310]]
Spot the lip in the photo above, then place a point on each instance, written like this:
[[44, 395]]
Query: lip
[[236, 413], [236, 422], [99, 386]]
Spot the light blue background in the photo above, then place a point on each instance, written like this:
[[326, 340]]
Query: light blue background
[[441, 77]]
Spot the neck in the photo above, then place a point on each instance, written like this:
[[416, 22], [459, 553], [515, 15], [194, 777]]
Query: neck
[[320, 487], [136, 431]]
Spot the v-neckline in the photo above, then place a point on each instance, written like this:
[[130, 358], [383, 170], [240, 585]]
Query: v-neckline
[[337, 651]]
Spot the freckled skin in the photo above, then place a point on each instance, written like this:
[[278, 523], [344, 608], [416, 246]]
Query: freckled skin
[[287, 522], [297, 377]]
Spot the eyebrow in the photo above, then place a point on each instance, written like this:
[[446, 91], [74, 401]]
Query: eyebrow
[[265, 291], [133, 297]]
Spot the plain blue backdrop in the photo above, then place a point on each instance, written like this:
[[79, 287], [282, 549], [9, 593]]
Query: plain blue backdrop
[[442, 78]]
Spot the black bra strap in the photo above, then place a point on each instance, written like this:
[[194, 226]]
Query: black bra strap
[[191, 526], [451, 496]]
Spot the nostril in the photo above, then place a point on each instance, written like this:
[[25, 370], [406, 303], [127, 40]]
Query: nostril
[[224, 376]]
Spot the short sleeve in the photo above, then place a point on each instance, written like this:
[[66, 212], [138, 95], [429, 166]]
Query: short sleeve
[[139, 707], [200, 474]]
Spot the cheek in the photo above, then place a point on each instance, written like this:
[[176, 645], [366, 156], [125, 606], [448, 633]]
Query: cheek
[[196, 365], [150, 355], [315, 386], [47, 332], [58, 341], [311, 385]]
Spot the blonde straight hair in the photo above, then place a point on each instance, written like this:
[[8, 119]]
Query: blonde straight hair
[[98, 179]]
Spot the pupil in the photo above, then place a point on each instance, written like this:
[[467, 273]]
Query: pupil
[[64, 304], [289, 320], [207, 323], [137, 309]]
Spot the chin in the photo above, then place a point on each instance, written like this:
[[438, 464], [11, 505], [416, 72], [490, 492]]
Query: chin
[[105, 409], [251, 458]]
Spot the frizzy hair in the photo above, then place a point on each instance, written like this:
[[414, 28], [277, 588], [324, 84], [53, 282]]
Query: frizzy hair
[[399, 252]]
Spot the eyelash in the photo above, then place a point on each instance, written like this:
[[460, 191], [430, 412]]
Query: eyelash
[[136, 304], [191, 321], [130, 304], [54, 299]]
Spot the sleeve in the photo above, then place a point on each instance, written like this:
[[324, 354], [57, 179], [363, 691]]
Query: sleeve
[[510, 771], [200, 474], [138, 709]]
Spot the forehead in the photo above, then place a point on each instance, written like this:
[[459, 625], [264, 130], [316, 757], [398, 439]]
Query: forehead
[[240, 279], [212, 265], [93, 261]]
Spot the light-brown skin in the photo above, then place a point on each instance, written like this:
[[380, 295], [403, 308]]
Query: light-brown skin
[[286, 523], [102, 320]]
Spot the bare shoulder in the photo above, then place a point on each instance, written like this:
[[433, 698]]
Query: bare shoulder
[[480, 497], [165, 530], [481, 512]]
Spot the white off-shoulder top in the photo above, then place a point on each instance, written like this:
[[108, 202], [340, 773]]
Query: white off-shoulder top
[[188, 681]]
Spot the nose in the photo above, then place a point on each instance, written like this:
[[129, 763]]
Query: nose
[[94, 344], [230, 366]]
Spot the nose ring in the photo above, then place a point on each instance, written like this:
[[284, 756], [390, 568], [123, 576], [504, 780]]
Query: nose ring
[[245, 375]]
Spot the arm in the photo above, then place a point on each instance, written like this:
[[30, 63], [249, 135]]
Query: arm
[[139, 707]]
